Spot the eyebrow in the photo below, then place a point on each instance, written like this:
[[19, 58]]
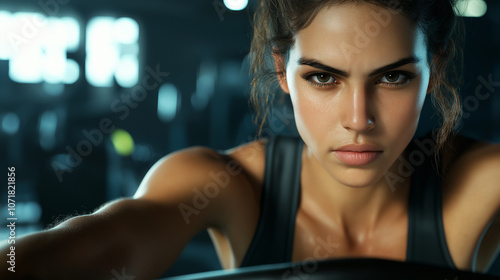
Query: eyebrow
[[316, 64]]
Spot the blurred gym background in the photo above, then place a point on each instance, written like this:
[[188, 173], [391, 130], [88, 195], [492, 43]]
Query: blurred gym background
[[93, 93]]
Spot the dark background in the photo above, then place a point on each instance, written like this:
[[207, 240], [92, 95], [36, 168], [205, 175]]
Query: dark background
[[202, 45]]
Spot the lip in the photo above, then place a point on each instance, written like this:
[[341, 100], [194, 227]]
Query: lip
[[361, 154]]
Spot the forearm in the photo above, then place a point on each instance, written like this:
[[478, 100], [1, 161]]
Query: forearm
[[66, 252], [127, 237]]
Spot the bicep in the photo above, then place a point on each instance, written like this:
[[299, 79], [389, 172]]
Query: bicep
[[138, 235], [474, 183], [196, 185], [167, 211], [485, 177], [153, 233], [201, 190]]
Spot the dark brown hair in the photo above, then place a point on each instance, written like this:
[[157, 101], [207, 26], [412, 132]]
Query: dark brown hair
[[276, 22]]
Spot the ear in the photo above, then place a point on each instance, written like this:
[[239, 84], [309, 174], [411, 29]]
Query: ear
[[280, 66]]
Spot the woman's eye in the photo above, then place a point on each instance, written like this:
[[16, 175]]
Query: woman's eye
[[322, 78], [393, 78]]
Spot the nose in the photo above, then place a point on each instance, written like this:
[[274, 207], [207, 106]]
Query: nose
[[356, 114]]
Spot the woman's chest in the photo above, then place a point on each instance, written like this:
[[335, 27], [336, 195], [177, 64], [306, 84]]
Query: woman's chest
[[318, 237]]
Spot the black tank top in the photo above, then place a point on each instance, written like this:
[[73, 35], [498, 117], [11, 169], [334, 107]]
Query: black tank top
[[273, 239]]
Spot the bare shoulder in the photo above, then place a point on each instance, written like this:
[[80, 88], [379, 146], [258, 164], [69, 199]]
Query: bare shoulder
[[203, 183], [474, 177], [471, 199], [251, 156]]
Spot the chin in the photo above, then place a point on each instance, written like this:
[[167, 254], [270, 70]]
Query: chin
[[359, 178], [358, 185]]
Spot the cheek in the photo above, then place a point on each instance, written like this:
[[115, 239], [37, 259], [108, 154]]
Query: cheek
[[400, 113], [302, 108], [313, 114]]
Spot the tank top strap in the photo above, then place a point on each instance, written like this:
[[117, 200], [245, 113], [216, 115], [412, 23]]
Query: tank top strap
[[426, 238], [273, 239], [494, 266]]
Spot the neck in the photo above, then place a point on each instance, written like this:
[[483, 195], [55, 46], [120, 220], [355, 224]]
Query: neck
[[354, 211]]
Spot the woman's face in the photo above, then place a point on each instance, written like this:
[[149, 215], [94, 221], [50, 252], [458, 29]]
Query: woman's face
[[357, 75]]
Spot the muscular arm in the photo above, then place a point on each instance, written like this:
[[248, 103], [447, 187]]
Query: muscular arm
[[123, 234], [472, 197], [141, 236]]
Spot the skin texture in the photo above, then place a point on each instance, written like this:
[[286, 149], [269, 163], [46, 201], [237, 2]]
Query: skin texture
[[350, 209], [359, 108]]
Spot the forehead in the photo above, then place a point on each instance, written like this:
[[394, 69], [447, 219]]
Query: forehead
[[359, 35]]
